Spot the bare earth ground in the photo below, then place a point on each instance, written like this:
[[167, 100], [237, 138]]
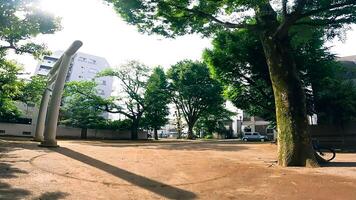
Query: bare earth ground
[[164, 170]]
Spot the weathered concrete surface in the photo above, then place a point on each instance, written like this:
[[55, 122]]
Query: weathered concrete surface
[[164, 170]]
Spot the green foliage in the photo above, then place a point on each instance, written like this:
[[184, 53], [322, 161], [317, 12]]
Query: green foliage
[[179, 17], [208, 136], [194, 91], [131, 102], [119, 125], [157, 99], [21, 20], [9, 90], [237, 60], [214, 121], [32, 91], [80, 105], [336, 102]]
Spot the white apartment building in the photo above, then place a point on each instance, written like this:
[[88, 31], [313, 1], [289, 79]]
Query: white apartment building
[[83, 67]]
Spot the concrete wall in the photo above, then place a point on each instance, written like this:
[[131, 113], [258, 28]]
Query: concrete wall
[[26, 130]]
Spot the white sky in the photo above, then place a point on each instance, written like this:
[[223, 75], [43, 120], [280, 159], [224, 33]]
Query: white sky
[[105, 34]]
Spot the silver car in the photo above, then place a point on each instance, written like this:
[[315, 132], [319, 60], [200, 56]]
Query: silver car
[[254, 136]]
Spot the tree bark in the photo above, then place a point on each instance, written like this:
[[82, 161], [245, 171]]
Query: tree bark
[[294, 143], [84, 133], [134, 129], [155, 133], [190, 131]]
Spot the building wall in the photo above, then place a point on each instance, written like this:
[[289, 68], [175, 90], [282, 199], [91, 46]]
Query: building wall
[[25, 130], [83, 67]]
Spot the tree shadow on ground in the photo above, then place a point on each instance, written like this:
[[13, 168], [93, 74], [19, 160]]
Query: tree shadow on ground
[[154, 186], [51, 196], [8, 171], [6, 190]]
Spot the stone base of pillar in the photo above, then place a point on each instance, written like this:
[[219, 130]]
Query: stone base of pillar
[[49, 144], [38, 139]]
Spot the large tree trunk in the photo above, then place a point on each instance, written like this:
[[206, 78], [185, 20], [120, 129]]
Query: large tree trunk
[[84, 133], [190, 131], [155, 133], [294, 143], [134, 129]]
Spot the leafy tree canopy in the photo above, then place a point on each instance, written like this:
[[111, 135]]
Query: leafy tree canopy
[[80, 106], [32, 91], [131, 102], [179, 17], [157, 99], [9, 89], [20, 20], [237, 60], [194, 91]]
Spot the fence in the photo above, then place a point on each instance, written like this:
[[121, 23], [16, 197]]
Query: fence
[[338, 137], [25, 130]]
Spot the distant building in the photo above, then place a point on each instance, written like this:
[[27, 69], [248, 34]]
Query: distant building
[[84, 67]]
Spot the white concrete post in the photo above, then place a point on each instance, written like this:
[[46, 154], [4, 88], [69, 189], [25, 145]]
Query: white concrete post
[[41, 119], [54, 105]]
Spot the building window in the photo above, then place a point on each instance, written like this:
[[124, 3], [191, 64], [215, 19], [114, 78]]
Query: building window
[[45, 67], [103, 82], [80, 76], [91, 61], [82, 59], [50, 58], [2, 131]]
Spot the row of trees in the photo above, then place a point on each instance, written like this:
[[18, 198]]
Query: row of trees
[[144, 99]]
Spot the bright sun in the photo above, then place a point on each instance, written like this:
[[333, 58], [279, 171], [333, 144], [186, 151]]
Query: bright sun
[[52, 6], [60, 7]]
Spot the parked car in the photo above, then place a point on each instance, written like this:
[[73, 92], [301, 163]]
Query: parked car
[[254, 136]]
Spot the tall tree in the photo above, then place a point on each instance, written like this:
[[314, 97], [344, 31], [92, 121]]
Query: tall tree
[[20, 20], [80, 106], [9, 90], [237, 60], [157, 99], [194, 91], [273, 21], [133, 78]]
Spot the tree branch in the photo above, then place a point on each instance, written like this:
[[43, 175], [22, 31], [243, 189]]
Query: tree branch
[[284, 8], [298, 14], [212, 18], [332, 6]]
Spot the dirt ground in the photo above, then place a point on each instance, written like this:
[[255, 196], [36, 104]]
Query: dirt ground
[[165, 170]]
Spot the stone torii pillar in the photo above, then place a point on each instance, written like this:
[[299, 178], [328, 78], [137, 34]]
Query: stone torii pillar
[[46, 128]]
